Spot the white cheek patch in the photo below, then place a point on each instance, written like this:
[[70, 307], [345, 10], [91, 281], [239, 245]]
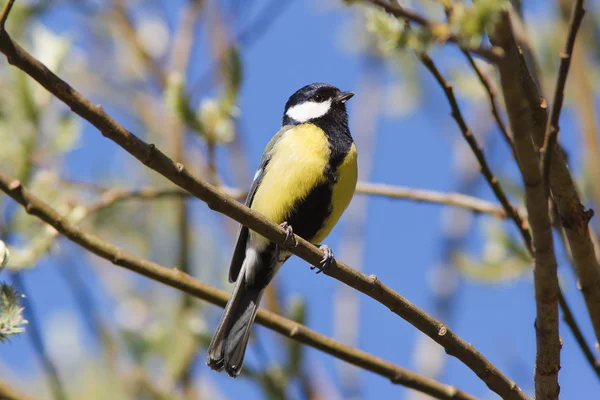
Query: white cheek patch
[[308, 110]]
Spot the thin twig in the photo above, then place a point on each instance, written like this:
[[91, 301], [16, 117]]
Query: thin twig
[[460, 200], [153, 158], [184, 282], [5, 12], [491, 92], [492, 55], [559, 92], [478, 152]]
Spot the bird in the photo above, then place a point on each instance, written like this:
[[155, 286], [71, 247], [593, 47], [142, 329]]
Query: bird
[[305, 180]]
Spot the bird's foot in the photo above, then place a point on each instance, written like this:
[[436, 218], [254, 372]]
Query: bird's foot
[[289, 235], [326, 261]]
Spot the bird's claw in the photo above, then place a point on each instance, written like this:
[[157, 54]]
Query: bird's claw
[[326, 261], [289, 235]]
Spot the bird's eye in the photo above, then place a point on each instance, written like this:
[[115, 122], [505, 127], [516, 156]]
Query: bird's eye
[[319, 98]]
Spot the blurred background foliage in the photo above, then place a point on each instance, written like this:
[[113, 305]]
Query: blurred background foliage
[[174, 72]]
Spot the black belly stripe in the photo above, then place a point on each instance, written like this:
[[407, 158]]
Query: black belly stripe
[[310, 213]]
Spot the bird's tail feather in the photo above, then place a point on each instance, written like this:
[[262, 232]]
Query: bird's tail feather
[[228, 345]]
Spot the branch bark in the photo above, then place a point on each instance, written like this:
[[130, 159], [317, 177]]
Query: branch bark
[[184, 282], [519, 86], [545, 269], [153, 158]]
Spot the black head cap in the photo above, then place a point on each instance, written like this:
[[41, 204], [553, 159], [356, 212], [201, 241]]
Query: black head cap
[[316, 101]]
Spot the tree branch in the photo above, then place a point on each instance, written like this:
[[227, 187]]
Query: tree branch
[[4, 14], [489, 88], [153, 158], [182, 281], [478, 152], [492, 55], [547, 292], [522, 99], [559, 92]]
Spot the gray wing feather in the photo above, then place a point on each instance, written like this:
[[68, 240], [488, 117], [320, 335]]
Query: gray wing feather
[[240, 248]]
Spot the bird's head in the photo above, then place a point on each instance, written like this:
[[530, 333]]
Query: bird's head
[[314, 101]]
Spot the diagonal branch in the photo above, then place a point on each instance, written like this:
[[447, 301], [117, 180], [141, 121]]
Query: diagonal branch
[[511, 211], [488, 86], [153, 158], [559, 92], [182, 281]]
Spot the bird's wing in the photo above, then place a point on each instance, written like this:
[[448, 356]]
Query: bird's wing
[[240, 248]]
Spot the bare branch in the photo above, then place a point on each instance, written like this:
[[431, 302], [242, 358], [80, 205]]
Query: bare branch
[[489, 88], [492, 55], [547, 291], [152, 157], [430, 196], [522, 99], [559, 92], [478, 152], [182, 281], [5, 12]]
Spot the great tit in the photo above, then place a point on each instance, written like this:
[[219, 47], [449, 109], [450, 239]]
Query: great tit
[[305, 181]]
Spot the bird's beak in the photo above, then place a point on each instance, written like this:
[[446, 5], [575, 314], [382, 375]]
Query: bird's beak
[[344, 97]]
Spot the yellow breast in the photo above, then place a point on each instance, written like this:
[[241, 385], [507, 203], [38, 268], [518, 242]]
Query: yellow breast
[[297, 165]]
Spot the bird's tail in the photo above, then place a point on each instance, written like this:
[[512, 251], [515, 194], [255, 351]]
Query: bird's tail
[[228, 345]]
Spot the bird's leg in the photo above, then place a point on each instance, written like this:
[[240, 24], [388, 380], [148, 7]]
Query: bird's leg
[[289, 235], [326, 261]]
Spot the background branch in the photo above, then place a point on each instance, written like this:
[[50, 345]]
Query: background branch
[[559, 93], [182, 281], [153, 158]]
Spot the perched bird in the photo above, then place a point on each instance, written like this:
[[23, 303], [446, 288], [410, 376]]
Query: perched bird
[[305, 181]]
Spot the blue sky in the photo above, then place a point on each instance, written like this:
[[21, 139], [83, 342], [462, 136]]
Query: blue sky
[[403, 241]]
